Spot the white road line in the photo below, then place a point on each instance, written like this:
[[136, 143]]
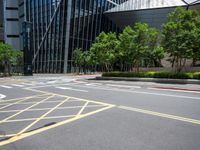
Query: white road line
[[51, 82], [68, 88], [174, 90], [27, 83], [80, 82], [17, 85], [93, 84], [126, 86], [2, 96], [7, 87], [138, 92], [63, 88]]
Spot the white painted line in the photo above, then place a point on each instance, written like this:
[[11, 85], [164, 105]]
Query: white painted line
[[174, 90], [93, 84], [63, 88], [49, 85], [2, 96], [80, 81], [7, 87], [17, 85], [27, 83], [68, 88], [138, 92], [126, 86], [51, 82]]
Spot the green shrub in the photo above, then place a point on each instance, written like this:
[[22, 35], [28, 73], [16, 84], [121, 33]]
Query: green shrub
[[196, 75], [168, 75]]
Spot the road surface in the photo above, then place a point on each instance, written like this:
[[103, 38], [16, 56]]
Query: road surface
[[57, 112]]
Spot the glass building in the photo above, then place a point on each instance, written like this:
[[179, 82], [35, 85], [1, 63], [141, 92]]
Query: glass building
[[60, 26]]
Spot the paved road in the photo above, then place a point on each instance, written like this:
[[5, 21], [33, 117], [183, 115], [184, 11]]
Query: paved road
[[57, 112]]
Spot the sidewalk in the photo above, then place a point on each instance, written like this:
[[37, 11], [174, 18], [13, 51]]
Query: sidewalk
[[158, 80]]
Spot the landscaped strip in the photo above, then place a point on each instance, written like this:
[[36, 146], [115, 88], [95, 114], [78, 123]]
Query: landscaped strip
[[167, 75]]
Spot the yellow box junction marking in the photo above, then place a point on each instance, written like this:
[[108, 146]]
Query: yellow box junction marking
[[45, 97]]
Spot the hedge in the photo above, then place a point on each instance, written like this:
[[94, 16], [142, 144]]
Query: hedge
[[168, 75]]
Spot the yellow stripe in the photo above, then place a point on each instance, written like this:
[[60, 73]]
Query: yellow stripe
[[15, 99], [84, 106], [38, 109], [24, 135], [44, 92], [26, 109], [46, 118], [153, 113], [29, 126], [14, 103]]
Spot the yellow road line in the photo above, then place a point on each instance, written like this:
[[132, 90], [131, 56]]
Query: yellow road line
[[84, 106], [24, 135], [38, 109], [46, 118], [14, 103], [23, 103], [44, 115], [26, 109], [163, 115], [15, 99], [194, 121], [44, 92], [7, 135]]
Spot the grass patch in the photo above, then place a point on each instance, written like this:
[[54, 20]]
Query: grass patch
[[168, 75]]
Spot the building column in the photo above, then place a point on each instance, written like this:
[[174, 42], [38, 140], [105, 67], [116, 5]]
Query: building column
[[69, 7]]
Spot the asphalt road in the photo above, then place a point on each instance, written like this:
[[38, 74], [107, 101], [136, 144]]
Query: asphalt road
[[58, 112]]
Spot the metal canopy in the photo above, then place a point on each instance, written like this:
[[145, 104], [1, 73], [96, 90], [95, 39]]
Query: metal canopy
[[146, 4]]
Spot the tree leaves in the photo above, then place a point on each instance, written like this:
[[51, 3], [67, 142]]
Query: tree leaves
[[181, 37], [9, 56]]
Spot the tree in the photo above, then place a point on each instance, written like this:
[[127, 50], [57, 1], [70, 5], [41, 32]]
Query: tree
[[154, 52], [17, 58], [126, 47], [9, 57], [181, 37], [196, 46], [5, 57], [77, 57], [138, 45], [103, 50]]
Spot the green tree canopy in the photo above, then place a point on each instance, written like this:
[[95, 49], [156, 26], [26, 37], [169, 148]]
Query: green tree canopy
[[9, 56], [181, 36], [139, 44], [103, 50], [77, 57]]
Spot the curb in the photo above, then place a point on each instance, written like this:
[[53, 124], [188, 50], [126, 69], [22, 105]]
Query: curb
[[177, 81]]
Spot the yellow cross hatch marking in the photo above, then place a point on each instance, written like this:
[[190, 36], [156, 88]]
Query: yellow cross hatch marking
[[99, 106], [44, 115], [26, 109]]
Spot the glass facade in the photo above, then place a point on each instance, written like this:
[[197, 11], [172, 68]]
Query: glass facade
[[60, 26], [87, 21], [48, 18]]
